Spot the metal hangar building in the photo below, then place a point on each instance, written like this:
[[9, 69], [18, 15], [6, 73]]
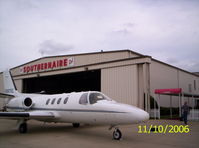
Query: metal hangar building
[[123, 75]]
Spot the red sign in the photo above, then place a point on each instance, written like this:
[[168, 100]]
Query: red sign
[[61, 63], [174, 90]]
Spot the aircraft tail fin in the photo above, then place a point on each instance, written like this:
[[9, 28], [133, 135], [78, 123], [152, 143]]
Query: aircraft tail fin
[[9, 85]]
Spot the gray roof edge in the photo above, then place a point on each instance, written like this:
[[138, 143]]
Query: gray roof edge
[[111, 51]]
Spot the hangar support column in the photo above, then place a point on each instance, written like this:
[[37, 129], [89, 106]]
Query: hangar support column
[[144, 86]]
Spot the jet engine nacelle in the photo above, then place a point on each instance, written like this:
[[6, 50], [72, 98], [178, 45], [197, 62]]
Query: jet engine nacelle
[[27, 103], [20, 103]]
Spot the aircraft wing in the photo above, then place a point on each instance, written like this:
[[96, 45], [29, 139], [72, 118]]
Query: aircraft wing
[[3, 95], [37, 115]]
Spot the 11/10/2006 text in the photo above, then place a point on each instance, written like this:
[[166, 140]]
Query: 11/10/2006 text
[[163, 129]]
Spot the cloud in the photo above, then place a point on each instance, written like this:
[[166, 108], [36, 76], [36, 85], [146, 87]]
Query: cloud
[[195, 67], [49, 47], [172, 60], [191, 65], [122, 32], [161, 29], [129, 25]]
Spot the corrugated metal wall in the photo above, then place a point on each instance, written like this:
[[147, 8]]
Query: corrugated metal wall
[[121, 83], [19, 85], [1, 90], [1, 82], [163, 76], [83, 59]]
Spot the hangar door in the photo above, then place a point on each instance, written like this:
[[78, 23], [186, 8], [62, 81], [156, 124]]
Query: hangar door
[[64, 83]]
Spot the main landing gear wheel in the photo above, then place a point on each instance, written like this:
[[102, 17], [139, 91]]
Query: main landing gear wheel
[[23, 128], [76, 125], [117, 135]]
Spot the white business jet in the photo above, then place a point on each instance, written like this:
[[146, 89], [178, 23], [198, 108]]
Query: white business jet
[[89, 107]]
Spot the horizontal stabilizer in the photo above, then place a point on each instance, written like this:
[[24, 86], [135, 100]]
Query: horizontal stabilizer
[[3, 95]]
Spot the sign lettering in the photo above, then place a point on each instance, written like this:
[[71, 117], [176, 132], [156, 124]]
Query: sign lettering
[[61, 63]]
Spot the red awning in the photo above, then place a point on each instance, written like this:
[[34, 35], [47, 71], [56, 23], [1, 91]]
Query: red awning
[[168, 91]]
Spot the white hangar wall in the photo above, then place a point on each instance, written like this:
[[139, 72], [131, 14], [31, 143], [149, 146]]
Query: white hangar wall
[[121, 83], [1, 90], [1, 82], [81, 59], [164, 76], [189, 83], [122, 73], [80, 63]]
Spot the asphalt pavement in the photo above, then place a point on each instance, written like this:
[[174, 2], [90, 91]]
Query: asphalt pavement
[[60, 135]]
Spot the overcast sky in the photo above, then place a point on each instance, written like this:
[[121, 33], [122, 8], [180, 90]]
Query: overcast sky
[[167, 30]]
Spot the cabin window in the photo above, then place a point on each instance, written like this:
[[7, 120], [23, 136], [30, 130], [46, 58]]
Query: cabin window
[[47, 102], [83, 99], [65, 100], [53, 101], [58, 101]]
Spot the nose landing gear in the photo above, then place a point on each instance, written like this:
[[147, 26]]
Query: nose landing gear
[[117, 134]]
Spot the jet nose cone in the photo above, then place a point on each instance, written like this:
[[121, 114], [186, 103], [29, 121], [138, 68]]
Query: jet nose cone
[[143, 116]]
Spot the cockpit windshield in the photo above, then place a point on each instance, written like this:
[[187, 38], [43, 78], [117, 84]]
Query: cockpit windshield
[[94, 97]]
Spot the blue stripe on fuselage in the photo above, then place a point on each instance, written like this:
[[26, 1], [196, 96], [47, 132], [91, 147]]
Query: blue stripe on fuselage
[[69, 110]]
